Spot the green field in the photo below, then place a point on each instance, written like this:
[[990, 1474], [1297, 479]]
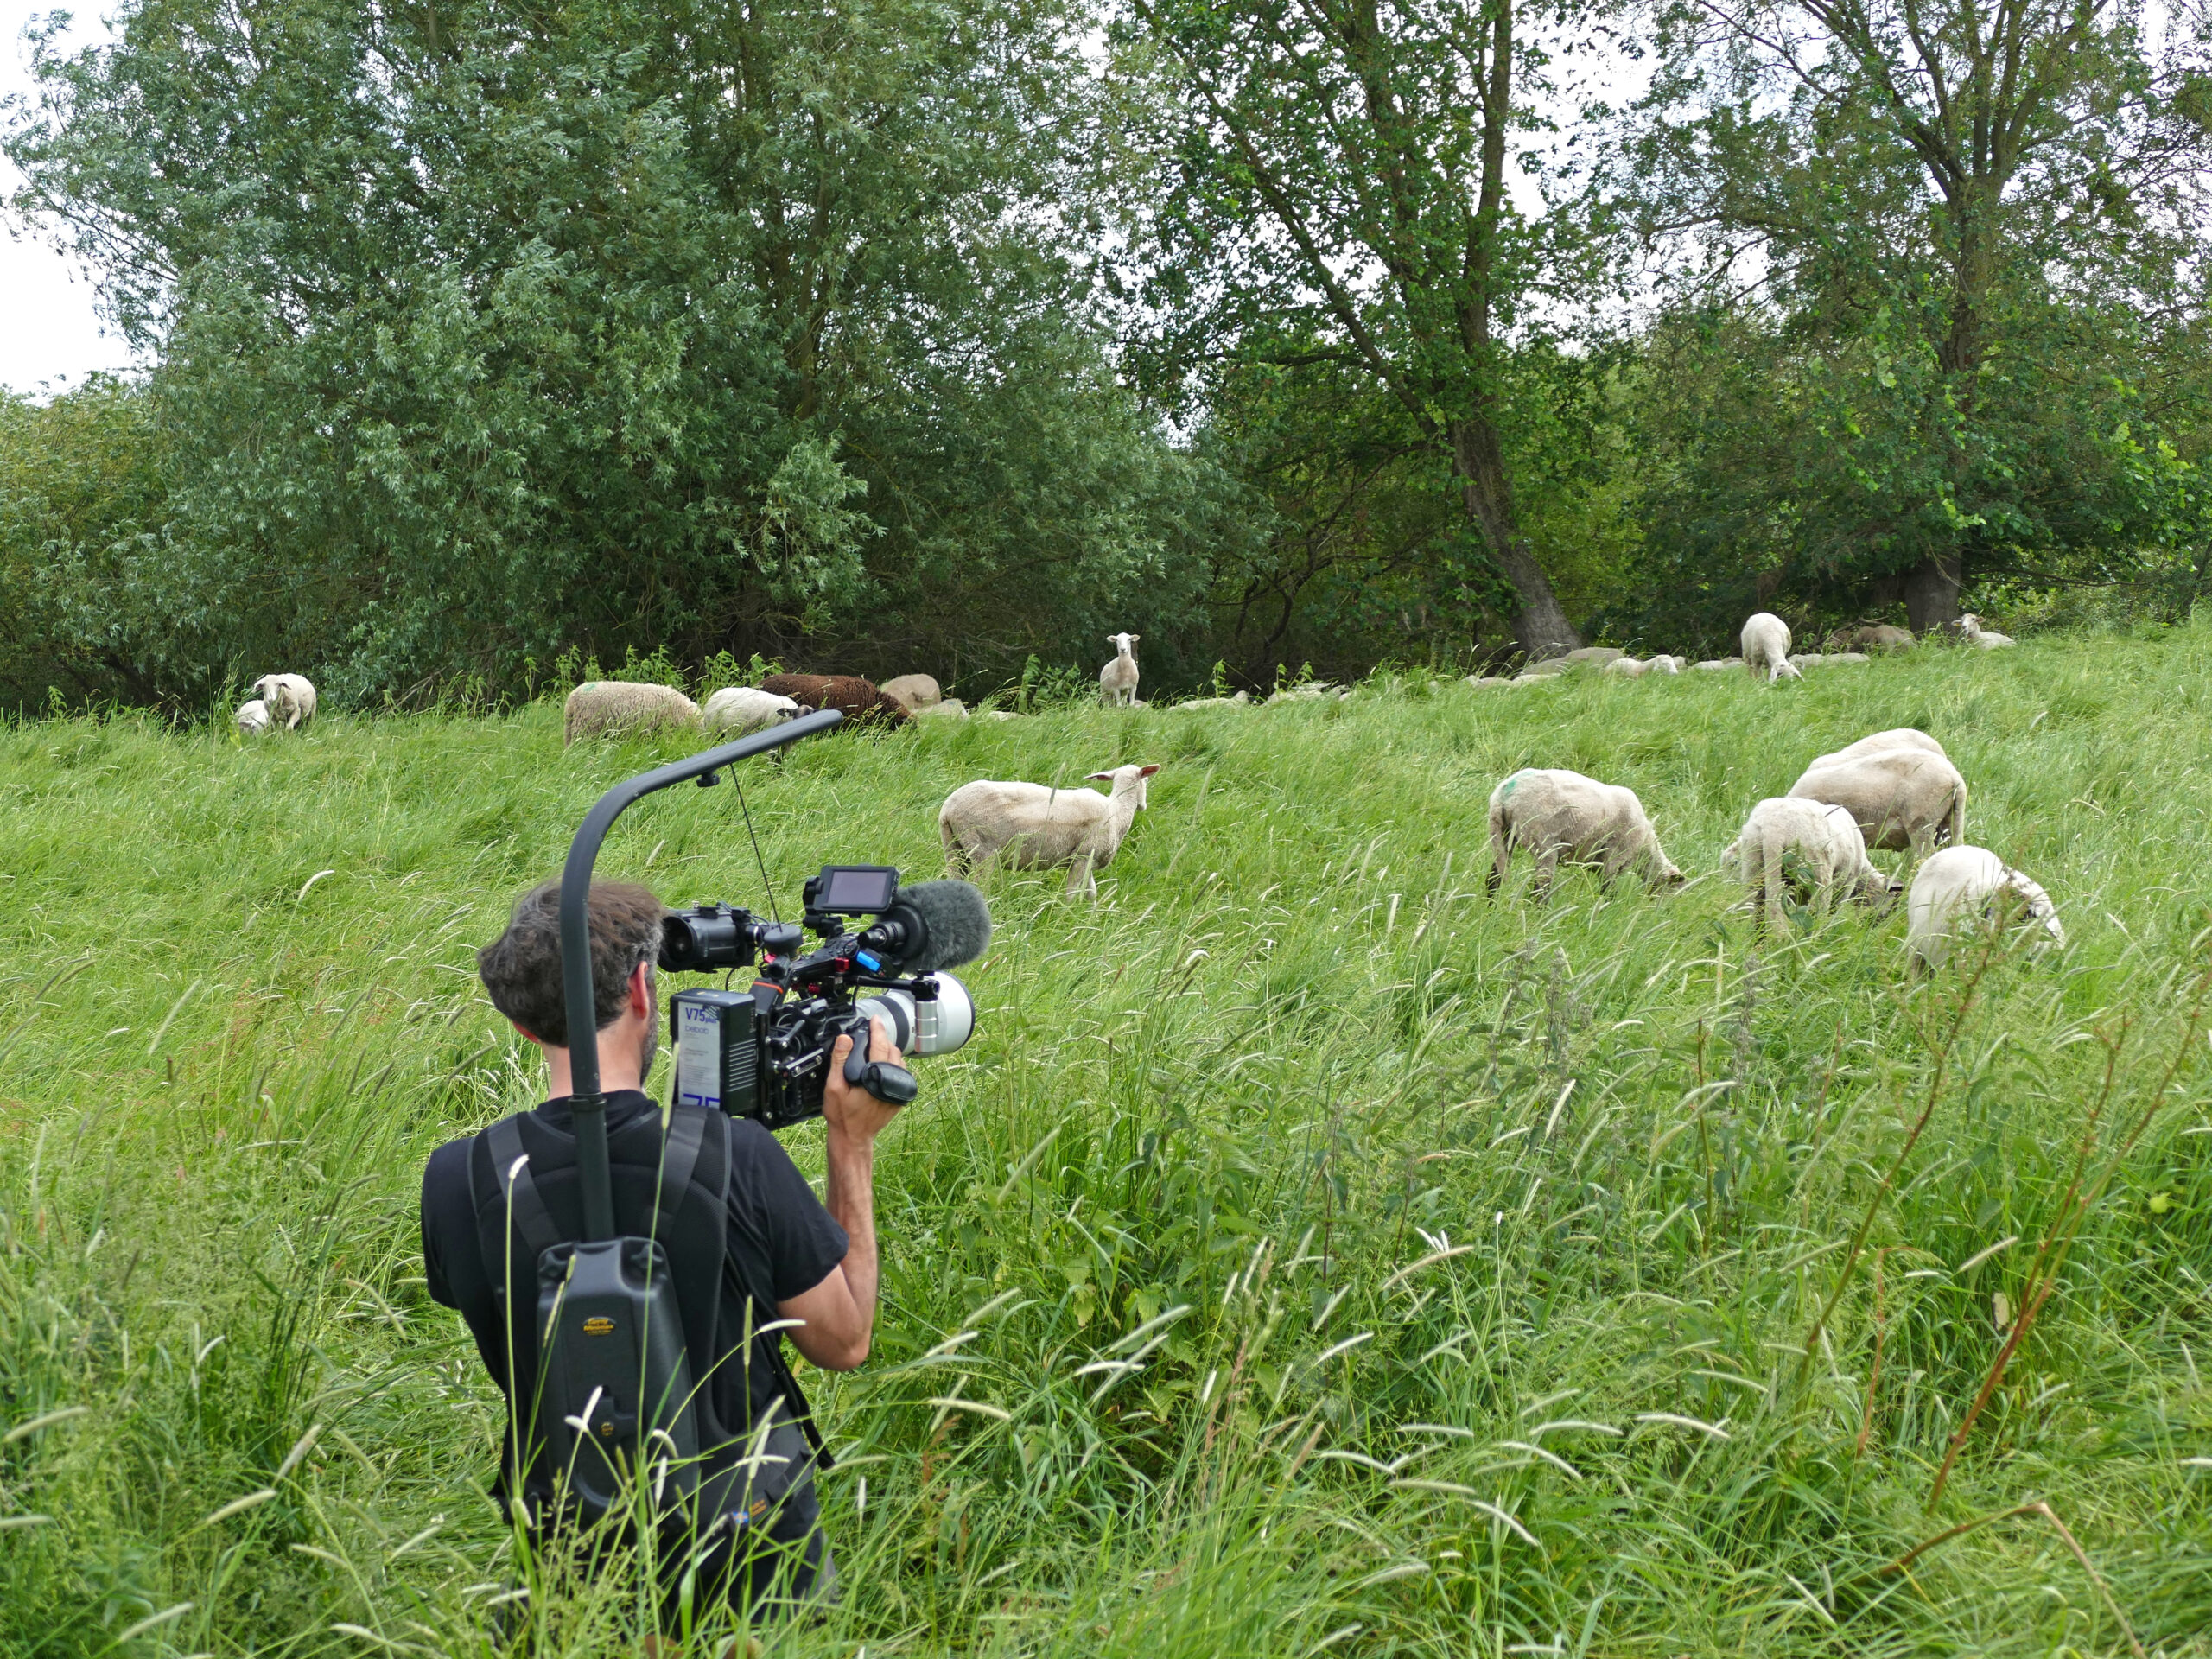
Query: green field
[[1503, 1232]]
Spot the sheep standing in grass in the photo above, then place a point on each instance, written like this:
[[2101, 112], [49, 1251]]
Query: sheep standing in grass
[[1960, 883], [1901, 798], [913, 692], [1973, 633], [1803, 844], [1117, 681], [1554, 813], [289, 698], [1898, 737], [1035, 827], [737, 709], [1766, 648], [603, 707], [253, 717], [858, 700]]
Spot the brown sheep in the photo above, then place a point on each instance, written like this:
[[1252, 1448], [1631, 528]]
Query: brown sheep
[[850, 695]]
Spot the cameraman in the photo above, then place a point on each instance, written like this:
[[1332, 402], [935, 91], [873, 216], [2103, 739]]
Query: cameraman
[[776, 1248]]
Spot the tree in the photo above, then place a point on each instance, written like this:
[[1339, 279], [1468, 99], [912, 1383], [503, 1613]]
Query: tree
[[1340, 192], [1972, 231], [486, 330]]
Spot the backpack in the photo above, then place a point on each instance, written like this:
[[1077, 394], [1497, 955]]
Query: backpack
[[617, 1396]]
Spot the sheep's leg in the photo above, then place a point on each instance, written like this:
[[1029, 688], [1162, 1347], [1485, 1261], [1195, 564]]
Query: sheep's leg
[[1547, 869], [1079, 877]]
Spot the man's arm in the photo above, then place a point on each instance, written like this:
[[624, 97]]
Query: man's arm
[[840, 1311]]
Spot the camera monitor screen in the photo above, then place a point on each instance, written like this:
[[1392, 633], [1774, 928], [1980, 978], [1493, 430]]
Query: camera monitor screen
[[851, 889]]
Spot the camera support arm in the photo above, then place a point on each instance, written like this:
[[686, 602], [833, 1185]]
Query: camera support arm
[[588, 1104]]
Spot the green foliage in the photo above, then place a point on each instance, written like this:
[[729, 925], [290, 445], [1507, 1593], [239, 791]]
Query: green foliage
[[486, 334], [1306, 1244]]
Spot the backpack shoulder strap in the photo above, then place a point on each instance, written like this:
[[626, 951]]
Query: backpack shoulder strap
[[524, 1204], [687, 1133]]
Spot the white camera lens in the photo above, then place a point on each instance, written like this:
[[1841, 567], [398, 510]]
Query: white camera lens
[[937, 1026]]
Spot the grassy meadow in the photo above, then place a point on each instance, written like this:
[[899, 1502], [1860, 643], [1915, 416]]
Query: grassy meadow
[[1309, 1255]]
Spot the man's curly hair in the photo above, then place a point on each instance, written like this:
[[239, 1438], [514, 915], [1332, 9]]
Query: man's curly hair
[[521, 969]]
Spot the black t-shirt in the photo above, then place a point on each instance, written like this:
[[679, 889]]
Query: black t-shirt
[[774, 1237]]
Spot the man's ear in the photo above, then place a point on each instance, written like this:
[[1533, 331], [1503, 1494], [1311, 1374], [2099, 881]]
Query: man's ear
[[526, 1032], [641, 989]]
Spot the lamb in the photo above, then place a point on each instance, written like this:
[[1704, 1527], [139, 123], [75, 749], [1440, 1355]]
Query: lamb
[[1625, 668], [1803, 844], [1901, 798], [1960, 881], [603, 707], [858, 700], [1117, 681], [738, 709], [1036, 826], [1766, 648], [914, 692], [1971, 630], [1553, 812], [1663, 663], [1899, 737], [253, 717], [291, 698]]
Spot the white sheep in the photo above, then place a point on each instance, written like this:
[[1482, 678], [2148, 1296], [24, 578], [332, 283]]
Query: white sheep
[[737, 709], [1554, 812], [1036, 826], [1663, 663], [1806, 846], [1766, 647], [602, 708], [253, 717], [943, 709], [1117, 681], [1898, 737], [1625, 668], [1960, 883], [1971, 630], [289, 698], [914, 692], [1901, 798]]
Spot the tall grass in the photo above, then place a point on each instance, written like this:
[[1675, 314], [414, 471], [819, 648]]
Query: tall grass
[[1308, 1255]]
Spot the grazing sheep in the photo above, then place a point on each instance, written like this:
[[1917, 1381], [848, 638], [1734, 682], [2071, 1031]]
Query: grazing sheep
[[1625, 668], [1117, 681], [1971, 630], [1766, 648], [291, 698], [253, 717], [915, 692], [944, 709], [1663, 663], [1805, 846], [1879, 635], [1553, 812], [1489, 679], [603, 707], [1036, 826], [1900, 737], [738, 709], [1962, 881], [1309, 691], [1901, 798], [859, 701], [1550, 668], [1714, 664]]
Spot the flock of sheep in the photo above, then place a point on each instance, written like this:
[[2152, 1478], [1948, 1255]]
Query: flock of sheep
[[1896, 788]]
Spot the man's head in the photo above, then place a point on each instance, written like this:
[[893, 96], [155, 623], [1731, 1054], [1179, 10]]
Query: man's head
[[521, 969]]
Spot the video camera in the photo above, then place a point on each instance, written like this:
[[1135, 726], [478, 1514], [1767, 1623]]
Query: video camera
[[764, 1052]]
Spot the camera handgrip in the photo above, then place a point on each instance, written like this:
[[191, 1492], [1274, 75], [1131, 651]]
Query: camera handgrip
[[894, 1085]]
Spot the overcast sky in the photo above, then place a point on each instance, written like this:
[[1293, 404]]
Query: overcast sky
[[51, 338]]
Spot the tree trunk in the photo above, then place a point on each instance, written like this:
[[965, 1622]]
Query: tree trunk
[[1540, 627], [1931, 593]]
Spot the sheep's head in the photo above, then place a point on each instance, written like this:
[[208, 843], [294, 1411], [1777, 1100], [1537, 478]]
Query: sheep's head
[[2038, 905], [1126, 780], [1123, 642], [1732, 860]]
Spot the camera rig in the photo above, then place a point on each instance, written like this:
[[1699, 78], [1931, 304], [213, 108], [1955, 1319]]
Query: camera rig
[[588, 1102]]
